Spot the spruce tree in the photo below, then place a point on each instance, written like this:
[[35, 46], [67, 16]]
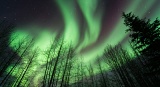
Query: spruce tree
[[145, 38]]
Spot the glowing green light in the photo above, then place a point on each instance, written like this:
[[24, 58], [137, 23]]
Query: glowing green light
[[93, 18], [71, 30]]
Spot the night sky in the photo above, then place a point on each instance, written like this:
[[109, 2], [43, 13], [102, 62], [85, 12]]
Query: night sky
[[89, 24]]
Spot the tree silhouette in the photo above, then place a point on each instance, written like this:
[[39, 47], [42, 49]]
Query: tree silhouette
[[145, 38]]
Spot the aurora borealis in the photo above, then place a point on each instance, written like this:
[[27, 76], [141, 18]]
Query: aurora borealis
[[89, 25]]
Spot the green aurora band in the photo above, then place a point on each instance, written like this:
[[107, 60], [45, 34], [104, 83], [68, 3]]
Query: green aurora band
[[72, 28]]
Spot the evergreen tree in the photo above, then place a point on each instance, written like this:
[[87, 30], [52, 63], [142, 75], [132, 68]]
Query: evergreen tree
[[145, 38]]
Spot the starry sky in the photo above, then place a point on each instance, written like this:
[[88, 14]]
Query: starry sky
[[89, 24]]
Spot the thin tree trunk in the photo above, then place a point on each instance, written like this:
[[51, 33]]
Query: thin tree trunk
[[55, 66]]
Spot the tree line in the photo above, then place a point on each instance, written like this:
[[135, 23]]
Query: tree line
[[63, 68]]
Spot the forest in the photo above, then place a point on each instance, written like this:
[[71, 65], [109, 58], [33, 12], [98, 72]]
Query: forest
[[23, 65]]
